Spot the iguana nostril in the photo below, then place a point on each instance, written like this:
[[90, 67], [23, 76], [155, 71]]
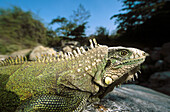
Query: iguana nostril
[[145, 54]]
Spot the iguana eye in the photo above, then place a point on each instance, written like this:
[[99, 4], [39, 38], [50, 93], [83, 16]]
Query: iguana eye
[[123, 53]]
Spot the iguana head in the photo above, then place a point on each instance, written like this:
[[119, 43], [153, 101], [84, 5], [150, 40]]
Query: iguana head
[[122, 64]]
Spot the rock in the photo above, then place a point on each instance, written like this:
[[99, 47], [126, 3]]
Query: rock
[[158, 61], [23, 52], [159, 65], [155, 54], [167, 59], [67, 49], [165, 51], [166, 55], [69, 46], [68, 43], [74, 43], [2, 57], [41, 50], [167, 62], [160, 81], [134, 98]]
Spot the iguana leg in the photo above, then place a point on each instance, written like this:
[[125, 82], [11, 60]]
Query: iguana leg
[[72, 102]]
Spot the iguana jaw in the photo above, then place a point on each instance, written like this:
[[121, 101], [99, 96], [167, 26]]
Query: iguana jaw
[[130, 62], [120, 78], [123, 68]]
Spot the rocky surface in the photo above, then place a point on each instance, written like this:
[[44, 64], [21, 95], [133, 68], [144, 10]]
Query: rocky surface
[[69, 46], [67, 49], [157, 55], [23, 53], [41, 50], [2, 57], [160, 81], [31, 53], [156, 69], [133, 98], [165, 51], [69, 43]]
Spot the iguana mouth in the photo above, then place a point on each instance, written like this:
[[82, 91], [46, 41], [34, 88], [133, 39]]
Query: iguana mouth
[[124, 71], [127, 77], [124, 78], [136, 61], [123, 68], [132, 69]]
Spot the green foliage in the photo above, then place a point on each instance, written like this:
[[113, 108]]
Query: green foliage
[[18, 30], [144, 22], [79, 31], [80, 16], [136, 12], [66, 26], [75, 25], [102, 31], [101, 34], [52, 38]]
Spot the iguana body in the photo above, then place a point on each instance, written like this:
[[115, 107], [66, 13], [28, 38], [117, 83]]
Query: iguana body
[[65, 84]]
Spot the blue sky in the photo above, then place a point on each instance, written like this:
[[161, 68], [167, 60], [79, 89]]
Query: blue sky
[[100, 10]]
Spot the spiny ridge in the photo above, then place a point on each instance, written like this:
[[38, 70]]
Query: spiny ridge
[[13, 61], [46, 58], [76, 53], [50, 58]]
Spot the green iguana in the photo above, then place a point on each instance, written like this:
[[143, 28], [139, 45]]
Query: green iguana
[[66, 83]]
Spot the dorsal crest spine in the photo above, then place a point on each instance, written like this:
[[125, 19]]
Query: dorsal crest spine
[[13, 61], [50, 58]]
